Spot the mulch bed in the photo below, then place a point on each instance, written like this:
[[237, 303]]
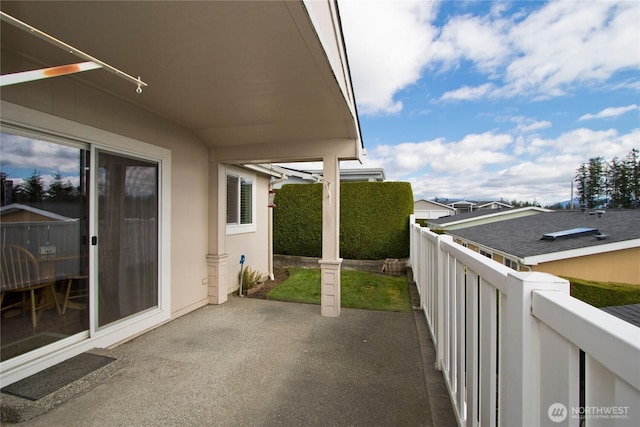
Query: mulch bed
[[261, 291]]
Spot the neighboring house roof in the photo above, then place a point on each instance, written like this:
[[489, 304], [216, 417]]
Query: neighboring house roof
[[522, 237], [461, 203], [266, 169], [15, 207], [363, 174], [296, 176], [490, 205], [357, 174], [629, 313], [422, 202], [472, 218], [426, 209]]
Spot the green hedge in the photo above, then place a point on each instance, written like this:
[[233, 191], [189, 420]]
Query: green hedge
[[604, 294], [374, 220], [297, 220]]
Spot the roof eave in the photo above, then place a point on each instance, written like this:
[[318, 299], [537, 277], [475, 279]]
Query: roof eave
[[580, 252]]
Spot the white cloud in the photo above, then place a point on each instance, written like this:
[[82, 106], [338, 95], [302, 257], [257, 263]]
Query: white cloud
[[610, 112], [527, 125], [564, 43], [543, 55], [470, 154], [27, 153], [467, 93], [479, 167], [546, 54], [387, 44], [478, 39]]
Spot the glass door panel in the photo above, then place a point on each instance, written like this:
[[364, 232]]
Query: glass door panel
[[127, 238], [43, 243]]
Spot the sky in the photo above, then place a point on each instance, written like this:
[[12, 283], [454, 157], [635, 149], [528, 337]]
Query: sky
[[475, 100], [483, 100]]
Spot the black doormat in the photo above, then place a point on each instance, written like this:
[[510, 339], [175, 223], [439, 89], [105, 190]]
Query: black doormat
[[54, 378]]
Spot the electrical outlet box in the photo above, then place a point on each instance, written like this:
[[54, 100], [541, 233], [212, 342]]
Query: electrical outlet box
[[47, 250]]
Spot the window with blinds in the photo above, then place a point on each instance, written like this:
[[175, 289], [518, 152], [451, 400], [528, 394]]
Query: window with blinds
[[246, 201], [240, 201]]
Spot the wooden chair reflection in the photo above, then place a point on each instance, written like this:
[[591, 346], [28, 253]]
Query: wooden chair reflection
[[20, 273], [79, 292]]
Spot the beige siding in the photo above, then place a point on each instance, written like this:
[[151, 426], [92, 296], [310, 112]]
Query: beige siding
[[619, 266], [66, 98], [252, 245]]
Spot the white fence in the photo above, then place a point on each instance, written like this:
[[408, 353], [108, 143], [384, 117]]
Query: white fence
[[59, 240], [515, 349]]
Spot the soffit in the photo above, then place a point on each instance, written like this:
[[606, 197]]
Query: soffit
[[233, 72]]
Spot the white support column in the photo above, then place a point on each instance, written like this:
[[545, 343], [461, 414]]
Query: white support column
[[520, 370], [331, 261], [217, 272], [217, 256]]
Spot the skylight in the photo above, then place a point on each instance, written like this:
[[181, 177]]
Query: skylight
[[574, 232]]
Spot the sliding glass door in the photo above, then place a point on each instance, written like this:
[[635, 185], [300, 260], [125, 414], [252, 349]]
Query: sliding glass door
[[44, 261], [127, 237]]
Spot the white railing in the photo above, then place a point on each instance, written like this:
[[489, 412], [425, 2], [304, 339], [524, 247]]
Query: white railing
[[509, 343]]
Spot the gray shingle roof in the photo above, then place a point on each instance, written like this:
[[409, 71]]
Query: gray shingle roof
[[522, 237], [629, 313], [467, 215]]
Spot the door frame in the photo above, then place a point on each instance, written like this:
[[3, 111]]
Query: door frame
[[18, 118]]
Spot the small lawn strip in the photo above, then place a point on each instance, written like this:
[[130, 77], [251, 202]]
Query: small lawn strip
[[604, 294], [359, 289]]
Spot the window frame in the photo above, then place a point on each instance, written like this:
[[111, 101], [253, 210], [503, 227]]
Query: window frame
[[237, 227], [485, 253]]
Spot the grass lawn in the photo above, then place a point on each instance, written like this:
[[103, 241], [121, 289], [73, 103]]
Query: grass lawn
[[359, 289], [604, 294]]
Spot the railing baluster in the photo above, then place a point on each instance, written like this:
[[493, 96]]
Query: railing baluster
[[559, 379], [472, 348], [460, 341], [488, 353]]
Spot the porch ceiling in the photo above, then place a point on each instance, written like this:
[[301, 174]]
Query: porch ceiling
[[236, 73]]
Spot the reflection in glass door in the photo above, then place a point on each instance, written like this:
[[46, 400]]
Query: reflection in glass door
[[127, 237], [43, 242]]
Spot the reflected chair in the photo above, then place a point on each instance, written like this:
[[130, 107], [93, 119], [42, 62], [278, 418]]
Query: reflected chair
[[19, 272], [80, 292]]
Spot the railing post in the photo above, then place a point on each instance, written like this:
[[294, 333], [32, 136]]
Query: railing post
[[412, 239], [520, 373], [442, 281]]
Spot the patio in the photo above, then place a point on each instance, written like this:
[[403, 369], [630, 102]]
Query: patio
[[257, 362]]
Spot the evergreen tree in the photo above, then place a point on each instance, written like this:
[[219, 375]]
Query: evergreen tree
[[618, 184], [615, 183], [7, 191], [582, 181], [596, 195], [32, 189], [61, 191], [632, 163]]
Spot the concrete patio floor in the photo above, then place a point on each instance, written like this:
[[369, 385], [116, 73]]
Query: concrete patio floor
[[253, 362]]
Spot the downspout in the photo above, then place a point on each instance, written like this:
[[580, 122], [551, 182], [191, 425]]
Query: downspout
[[270, 227]]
